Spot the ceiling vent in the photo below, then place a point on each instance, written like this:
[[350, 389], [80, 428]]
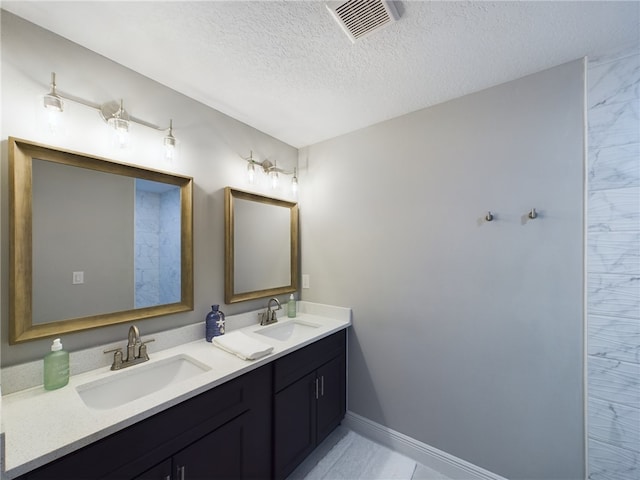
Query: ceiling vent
[[359, 18]]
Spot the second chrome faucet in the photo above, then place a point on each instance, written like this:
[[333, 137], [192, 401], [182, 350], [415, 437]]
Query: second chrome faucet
[[269, 317]]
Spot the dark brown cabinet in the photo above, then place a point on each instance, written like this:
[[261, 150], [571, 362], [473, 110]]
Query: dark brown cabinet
[[161, 471], [218, 455], [222, 433], [258, 426], [309, 400]]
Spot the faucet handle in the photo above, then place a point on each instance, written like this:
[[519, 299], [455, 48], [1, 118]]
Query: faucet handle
[[142, 352], [117, 358]]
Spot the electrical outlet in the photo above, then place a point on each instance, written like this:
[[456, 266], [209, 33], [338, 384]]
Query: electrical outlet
[[78, 278], [305, 280]]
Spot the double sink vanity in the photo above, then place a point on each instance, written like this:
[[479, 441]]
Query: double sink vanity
[[191, 411]]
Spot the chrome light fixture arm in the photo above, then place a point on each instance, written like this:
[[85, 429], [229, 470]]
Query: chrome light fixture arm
[[109, 111]]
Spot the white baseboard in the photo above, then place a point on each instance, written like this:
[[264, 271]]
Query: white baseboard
[[453, 467]]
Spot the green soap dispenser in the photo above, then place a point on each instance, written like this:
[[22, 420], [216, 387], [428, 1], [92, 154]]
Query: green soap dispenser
[[291, 307], [56, 367]]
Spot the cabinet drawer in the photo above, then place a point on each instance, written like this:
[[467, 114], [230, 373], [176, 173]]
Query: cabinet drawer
[[296, 365]]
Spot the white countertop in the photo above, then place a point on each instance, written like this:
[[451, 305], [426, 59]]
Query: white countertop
[[41, 426]]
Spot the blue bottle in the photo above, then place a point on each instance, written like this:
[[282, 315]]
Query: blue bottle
[[214, 323]]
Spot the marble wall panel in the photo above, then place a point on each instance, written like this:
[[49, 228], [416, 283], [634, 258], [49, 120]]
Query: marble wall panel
[[613, 268], [614, 338], [608, 462]]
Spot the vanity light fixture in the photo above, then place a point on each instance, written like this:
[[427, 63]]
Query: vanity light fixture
[[271, 170], [294, 182], [53, 101], [170, 143], [113, 113], [54, 106], [251, 169], [119, 124], [274, 177]]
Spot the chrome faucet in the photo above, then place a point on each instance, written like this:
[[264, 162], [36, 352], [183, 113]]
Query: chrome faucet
[[133, 358], [269, 317], [134, 340]]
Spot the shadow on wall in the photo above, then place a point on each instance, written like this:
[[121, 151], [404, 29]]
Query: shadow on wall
[[363, 381]]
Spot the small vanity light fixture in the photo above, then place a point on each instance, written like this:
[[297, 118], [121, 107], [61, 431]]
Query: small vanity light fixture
[[274, 178], [53, 101], [54, 106], [113, 113], [272, 171], [119, 124], [251, 169], [294, 182], [170, 143]]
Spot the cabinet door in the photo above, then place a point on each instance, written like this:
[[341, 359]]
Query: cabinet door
[[219, 455], [294, 424], [161, 471], [331, 397]]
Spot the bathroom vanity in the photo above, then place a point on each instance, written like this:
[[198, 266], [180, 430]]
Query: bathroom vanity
[[233, 419]]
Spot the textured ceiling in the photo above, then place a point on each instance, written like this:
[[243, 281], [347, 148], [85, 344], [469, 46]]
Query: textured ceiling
[[287, 69]]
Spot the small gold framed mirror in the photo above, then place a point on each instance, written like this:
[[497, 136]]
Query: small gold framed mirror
[[261, 246]]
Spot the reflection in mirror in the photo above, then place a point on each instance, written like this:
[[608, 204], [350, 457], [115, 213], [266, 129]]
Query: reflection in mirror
[[261, 246], [261, 260], [94, 242], [157, 243]]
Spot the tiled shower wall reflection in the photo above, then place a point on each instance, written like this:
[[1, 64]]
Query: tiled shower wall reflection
[[613, 267], [157, 247]]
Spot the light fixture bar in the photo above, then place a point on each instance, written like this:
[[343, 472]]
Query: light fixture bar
[[107, 110], [272, 172]]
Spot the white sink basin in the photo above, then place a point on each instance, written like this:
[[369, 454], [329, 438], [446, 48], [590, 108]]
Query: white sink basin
[[138, 381], [287, 330]]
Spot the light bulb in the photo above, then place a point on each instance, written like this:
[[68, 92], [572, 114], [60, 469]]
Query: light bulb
[[294, 183], [54, 120], [169, 148], [54, 106], [119, 131], [119, 128], [251, 173], [170, 143], [274, 178]]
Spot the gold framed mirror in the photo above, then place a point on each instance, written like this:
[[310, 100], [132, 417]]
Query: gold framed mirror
[[94, 242], [261, 246]]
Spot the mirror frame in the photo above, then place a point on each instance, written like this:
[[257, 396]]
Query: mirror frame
[[21, 156], [230, 295]]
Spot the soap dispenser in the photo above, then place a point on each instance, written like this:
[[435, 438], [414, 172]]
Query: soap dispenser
[[291, 307], [56, 367]]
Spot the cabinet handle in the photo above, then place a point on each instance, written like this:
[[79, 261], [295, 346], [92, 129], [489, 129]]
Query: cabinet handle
[[322, 386], [181, 472], [316, 389]]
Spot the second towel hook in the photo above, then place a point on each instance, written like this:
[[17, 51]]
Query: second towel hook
[[533, 214]]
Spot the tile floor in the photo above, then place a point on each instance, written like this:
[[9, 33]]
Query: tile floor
[[421, 472]]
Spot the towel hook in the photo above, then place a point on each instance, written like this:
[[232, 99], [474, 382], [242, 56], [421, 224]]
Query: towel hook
[[489, 216], [533, 214]]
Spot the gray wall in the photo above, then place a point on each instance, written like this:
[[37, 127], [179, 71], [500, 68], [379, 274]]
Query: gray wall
[[210, 149], [468, 335], [82, 221], [613, 267]]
